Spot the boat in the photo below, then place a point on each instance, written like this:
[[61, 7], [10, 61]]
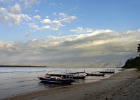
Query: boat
[[95, 74], [62, 79], [78, 75], [108, 71]]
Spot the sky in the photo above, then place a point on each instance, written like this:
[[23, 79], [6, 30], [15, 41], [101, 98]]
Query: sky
[[69, 33]]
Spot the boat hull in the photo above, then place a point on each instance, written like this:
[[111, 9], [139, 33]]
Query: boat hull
[[79, 77], [54, 80], [90, 74], [107, 72]]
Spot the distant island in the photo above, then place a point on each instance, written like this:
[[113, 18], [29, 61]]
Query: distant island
[[20, 66]]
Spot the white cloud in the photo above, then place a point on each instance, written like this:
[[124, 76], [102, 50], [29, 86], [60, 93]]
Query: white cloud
[[45, 27], [46, 21], [52, 4], [54, 13], [3, 18], [6, 1], [22, 0], [101, 48], [15, 9], [102, 31], [75, 8], [36, 27], [28, 33], [36, 10], [47, 16], [81, 30], [3, 10], [30, 3], [55, 24], [69, 19], [26, 17], [2, 1], [62, 15], [33, 26], [14, 15], [77, 30], [37, 17], [16, 19], [9, 25]]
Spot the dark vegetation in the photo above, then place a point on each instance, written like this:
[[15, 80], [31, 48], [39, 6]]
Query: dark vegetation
[[133, 62]]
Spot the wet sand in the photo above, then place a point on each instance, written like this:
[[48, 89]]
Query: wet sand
[[124, 85]]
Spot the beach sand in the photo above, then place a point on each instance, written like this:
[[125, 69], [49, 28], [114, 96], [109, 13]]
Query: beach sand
[[124, 85]]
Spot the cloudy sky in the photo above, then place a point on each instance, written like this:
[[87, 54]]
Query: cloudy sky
[[71, 33]]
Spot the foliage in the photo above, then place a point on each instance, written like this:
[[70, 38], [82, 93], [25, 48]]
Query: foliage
[[138, 49], [133, 63]]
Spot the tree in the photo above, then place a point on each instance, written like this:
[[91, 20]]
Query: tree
[[138, 49]]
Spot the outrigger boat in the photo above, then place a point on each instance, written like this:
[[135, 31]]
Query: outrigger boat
[[62, 79], [78, 75], [95, 74], [108, 71]]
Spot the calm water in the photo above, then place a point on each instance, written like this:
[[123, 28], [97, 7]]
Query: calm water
[[20, 80]]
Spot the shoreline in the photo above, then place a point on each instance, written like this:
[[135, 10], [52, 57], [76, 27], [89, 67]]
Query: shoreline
[[120, 86]]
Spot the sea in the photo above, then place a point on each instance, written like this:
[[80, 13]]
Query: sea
[[20, 80]]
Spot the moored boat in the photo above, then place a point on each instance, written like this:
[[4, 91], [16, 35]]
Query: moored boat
[[62, 79], [95, 74], [78, 75], [108, 71]]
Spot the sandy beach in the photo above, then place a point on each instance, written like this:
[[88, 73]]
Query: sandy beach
[[124, 85]]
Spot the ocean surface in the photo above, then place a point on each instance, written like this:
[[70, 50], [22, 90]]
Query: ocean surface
[[20, 80]]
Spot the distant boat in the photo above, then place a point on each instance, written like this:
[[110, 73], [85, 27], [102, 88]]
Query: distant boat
[[108, 71], [95, 74], [62, 79]]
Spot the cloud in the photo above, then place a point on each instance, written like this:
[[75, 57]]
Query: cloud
[[22, 0], [68, 19], [52, 4], [2, 0], [9, 25], [81, 30], [36, 10], [6, 1], [45, 27], [3, 18], [75, 8], [36, 27], [97, 50], [37, 17], [33, 26], [54, 13], [62, 15], [16, 19], [28, 33], [3, 10], [14, 15], [30, 3], [15, 9], [55, 24], [55, 4], [47, 16], [46, 21]]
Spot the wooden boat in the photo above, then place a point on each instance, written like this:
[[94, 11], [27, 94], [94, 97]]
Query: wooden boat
[[95, 74], [62, 79], [78, 75], [108, 71]]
